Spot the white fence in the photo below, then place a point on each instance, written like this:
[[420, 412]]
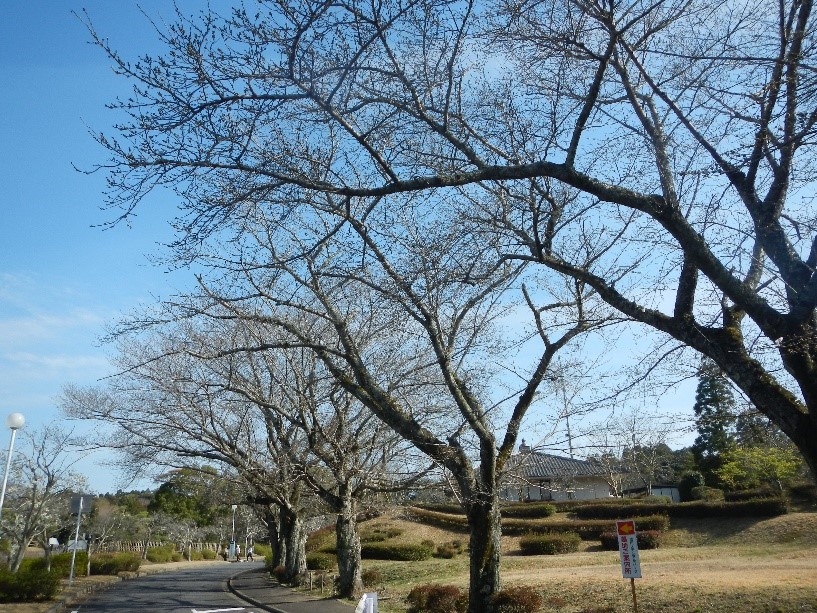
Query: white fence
[[140, 546]]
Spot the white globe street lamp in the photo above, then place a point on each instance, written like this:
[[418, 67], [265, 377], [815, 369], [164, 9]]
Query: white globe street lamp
[[14, 422]]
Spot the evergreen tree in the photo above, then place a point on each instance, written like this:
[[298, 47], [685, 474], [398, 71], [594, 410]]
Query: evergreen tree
[[714, 418]]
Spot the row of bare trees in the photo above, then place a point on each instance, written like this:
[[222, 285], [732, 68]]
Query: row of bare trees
[[388, 187], [319, 365]]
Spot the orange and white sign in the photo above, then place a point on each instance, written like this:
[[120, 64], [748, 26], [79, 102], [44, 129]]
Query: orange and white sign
[[628, 549]]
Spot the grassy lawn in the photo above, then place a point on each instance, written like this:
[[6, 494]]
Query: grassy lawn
[[724, 565]]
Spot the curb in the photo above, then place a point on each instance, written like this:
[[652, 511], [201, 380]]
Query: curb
[[246, 598]]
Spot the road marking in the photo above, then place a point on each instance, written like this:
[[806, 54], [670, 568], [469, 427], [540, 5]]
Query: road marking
[[218, 610]]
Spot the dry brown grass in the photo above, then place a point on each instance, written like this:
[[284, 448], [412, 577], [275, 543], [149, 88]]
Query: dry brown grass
[[718, 566]]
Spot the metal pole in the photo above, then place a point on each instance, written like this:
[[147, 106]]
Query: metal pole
[[6, 474], [76, 544]]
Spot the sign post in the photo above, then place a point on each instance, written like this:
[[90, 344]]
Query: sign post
[[628, 551], [78, 507]]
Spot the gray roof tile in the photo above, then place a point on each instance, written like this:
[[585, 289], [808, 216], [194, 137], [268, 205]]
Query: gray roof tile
[[533, 465]]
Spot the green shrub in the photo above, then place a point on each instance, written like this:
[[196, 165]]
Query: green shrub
[[804, 491], [436, 599], [410, 552], [176, 556], [740, 496], [263, 550], [450, 508], [588, 530], [708, 494], [28, 584], [689, 480], [372, 537], [449, 550], [529, 510], [759, 507], [318, 560], [161, 554], [371, 577], [647, 539], [208, 554], [621, 510], [519, 599], [61, 564], [449, 521], [378, 535], [549, 544], [114, 563]]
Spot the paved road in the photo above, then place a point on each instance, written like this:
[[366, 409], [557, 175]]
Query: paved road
[[198, 590], [205, 590]]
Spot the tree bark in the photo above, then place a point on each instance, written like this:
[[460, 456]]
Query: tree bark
[[485, 549], [348, 551], [273, 532], [292, 537]]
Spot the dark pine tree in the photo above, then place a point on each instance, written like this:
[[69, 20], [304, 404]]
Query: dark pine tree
[[714, 418]]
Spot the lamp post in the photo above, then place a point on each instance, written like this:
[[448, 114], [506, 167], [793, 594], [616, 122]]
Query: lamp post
[[232, 540], [14, 422]]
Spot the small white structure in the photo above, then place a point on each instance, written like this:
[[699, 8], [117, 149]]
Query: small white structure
[[670, 491], [367, 603], [531, 475], [79, 545]]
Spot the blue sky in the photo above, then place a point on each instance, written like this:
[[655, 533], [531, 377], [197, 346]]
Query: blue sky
[[61, 278]]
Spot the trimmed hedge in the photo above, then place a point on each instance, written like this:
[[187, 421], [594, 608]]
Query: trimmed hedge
[[549, 544], [318, 560], [413, 552], [440, 507], [448, 521], [516, 509], [647, 539], [28, 584], [751, 495], [114, 563], [588, 529], [707, 494], [762, 507], [528, 510], [163, 553]]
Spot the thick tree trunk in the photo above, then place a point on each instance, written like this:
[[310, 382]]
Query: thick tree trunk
[[294, 544], [485, 543], [281, 547], [271, 520], [348, 551]]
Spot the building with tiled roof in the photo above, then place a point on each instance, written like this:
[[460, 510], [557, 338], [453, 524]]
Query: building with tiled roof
[[532, 475]]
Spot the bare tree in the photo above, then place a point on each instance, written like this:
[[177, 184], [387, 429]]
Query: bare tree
[[39, 490], [658, 152], [408, 320], [351, 452], [632, 448], [165, 410]]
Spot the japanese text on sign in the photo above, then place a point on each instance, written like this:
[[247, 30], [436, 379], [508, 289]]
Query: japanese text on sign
[[628, 549]]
